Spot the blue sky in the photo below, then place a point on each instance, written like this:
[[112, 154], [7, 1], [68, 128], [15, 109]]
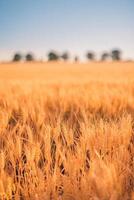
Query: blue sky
[[74, 25]]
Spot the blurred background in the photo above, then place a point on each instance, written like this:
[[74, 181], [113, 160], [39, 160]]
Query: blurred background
[[76, 30]]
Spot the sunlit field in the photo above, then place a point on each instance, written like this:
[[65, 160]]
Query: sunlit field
[[67, 131]]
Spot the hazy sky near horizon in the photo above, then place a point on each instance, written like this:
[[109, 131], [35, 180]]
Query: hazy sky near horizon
[[74, 25]]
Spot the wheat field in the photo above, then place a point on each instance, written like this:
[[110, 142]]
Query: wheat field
[[67, 131]]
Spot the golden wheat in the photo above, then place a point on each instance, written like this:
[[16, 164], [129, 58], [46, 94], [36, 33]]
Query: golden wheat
[[66, 131]]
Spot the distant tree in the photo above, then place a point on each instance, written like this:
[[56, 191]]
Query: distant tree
[[65, 56], [90, 56], [53, 56], [116, 55], [104, 56], [29, 57], [76, 59], [17, 57]]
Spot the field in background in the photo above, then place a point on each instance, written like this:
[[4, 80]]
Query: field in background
[[67, 131]]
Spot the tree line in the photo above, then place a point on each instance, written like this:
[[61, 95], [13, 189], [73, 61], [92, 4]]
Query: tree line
[[114, 55]]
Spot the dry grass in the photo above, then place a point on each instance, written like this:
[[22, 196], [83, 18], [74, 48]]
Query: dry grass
[[67, 132]]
